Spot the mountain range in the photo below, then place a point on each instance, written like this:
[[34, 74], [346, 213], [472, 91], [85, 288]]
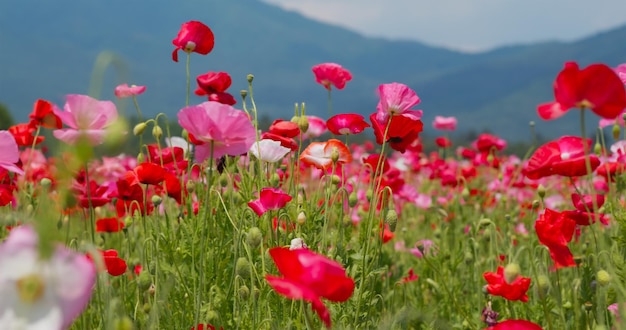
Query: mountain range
[[49, 49]]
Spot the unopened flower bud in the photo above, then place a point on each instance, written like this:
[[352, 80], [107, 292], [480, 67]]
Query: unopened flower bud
[[124, 323], [588, 306], [242, 268], [511, 272], [223, 179], [45, 183], [254, 237], [597, 148], [157, 132], [244, 292], [541, 191], [139, 128], [303, 124], [250, 77], [391, 218], [144, 281], [484, 223], [536, 204], [156, 200], [603, 277], [616, 131], [301, 219], [243, 93], [543, 284], [274, 180], [335, 179], [140, 158], [369, 194], [531, 123], [334, 155], [185, 134], [465, 193], [353, 199], [297, 243]]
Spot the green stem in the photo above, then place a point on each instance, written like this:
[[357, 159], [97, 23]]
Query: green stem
[[188, 80]]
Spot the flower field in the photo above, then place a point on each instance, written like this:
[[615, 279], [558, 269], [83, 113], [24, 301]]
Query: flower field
[[231, 226]]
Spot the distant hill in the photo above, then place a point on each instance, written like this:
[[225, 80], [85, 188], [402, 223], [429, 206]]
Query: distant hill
[[49, 49]]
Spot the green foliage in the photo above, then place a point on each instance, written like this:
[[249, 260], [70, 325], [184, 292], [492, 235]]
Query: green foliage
[[6, 120]]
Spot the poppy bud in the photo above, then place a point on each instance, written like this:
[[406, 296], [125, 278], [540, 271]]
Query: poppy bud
[[465, 193], [243, 93], [303, 124], [242, 268], [184, 134], [484, 223], [335, 179], [536, 204], [250, 77], [156, 200], [124, 323], [353, 199], [616, 131], [588, 306], [223, 179], [139, 128], [531, 123], [543, 283], [244, 293], [511, 272], [391, 218], [541, 191], [297, 243], [274, 180], [368, 194], [301, 219], [603, 277], [334, 155], [45, 183], [597, 148], [254, 237], [157, 132], [144, 281]]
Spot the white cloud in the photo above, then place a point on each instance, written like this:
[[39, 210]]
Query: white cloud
[[467, 24]]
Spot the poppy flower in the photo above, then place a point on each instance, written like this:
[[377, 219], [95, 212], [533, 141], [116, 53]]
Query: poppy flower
[[322, 155], [596, 87], [564, 156], [348, 123], [286, 142], [205, 327], [223, 98], [195, 37], [487, 142], [284, 128], [222, 128], [43, 114], [317, 127], [269, 150], [512, 290], [23, 134], [555, 230], [113, 264], [443, 142], [585, 213], [124, 90], [9, 153], [444, 123], [213, 82], [109, 225], [91, 194], [396, 99], [515, 325], [331, 74], [310, 276], [86, 117], [269, 199], [621, 72], [410, 277], [149, 173], [38, 292], [402, 132]]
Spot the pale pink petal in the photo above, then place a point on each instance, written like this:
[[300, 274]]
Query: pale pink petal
[[9, 153], [552, 110]]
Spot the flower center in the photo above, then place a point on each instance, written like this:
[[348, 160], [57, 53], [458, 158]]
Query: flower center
[[584, 104], [190, 46], [30, 288]]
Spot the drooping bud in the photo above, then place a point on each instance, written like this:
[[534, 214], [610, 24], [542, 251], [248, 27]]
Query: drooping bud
[[157, 132], [541, 191], [254, 237], [139, 128], [242, 268], [616, 132], [391, 218], [543, 284], [353, 199]]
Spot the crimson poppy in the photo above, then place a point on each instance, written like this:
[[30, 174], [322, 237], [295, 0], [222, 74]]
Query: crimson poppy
[[284, 128], [109, 225], [596, 87], [269, 199], [193, 36], [515, 325], [555, 230], [403, 130], [43, 114], [23, 135], [565, 157], [212, 82], [513, 290], [310, 276], [347, 123]]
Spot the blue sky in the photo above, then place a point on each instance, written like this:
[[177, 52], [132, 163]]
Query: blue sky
[[469, 25]]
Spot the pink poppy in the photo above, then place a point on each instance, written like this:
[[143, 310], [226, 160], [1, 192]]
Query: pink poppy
[[317, 127], [124, 90], [269, 199], [328, 74], [9, 153], [444, 123], [621, 72], [193, 36], [87, 118], [219, 126], [596, 87], [347, 123], [310, 276], [515, 325], [396, 99]]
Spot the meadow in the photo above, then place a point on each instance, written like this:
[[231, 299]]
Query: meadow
[[229, 226]]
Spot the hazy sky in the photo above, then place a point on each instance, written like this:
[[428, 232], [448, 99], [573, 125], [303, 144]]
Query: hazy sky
[[470, 25]]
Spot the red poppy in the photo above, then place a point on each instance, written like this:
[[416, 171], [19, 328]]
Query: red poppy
[[386, 235], [286, 142], [515, 325], [443, 142], [205, 327], [212, 82], [585, 213], [402, 131], [43, 114], [109, 225], [610, 170], [487, 142], [347, 123], [328, 74], [596, 87], [149, 173], [565, 157], [310, 276], [114, 265], [324, 154], [372, 161], [223, 98], [555, 230], [193, 36], [269, 199], [23, 134], [410, 277], [131, 196], [284, 128], [91, 194], [498, 286]]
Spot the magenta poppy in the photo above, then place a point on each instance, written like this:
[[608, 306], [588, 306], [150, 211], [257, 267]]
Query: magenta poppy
[[269, 199], [193, 36], [331, 74], [347, 123]]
